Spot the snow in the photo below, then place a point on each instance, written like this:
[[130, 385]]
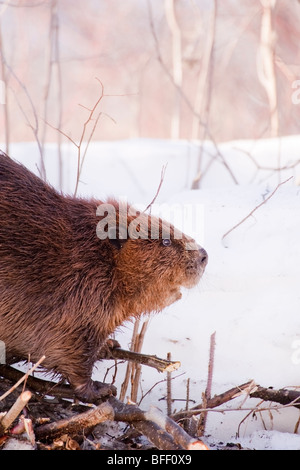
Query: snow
[[249, 294], [271, 440]]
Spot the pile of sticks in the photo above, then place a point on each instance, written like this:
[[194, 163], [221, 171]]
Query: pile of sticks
[[163, 432]]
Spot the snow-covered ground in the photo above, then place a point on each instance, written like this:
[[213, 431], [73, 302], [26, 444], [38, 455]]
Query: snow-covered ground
[[250, 292]]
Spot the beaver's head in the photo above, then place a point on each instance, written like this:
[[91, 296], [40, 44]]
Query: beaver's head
[[153, 261]]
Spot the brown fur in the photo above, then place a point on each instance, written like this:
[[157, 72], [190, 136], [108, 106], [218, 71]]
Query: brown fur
[[63, 291]]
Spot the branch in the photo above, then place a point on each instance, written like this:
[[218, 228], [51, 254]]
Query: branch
[[137, 369], [34, 127], [180, 436], [255, 209], [214, 402], [162, 431], [207, 393], [83, 134], [88, 419], [162, 176], [282, 396], [286, 398], [169, 389]]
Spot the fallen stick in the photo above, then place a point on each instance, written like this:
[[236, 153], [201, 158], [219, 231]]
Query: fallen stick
[[88, 419], [161, 430], [156, 435], [14, 411], [179, 435], [284, 397], [133, 415]]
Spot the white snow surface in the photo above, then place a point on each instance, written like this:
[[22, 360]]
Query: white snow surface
[[249, 294]]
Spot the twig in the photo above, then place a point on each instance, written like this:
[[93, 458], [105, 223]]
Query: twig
[[134, 369], [279, 169], [156, 384], [136, 372], [183, 95], [34, 127], [162, 176], [22, 379], [255, 209], [210, 365], [169, 389], [207, 393], [213, 402], [282, 396], [187, 395], [83, 134], [246, 417], [180, 436], [129, 367]]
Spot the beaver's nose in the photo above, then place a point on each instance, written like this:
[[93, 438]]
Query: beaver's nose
[[203, 256]]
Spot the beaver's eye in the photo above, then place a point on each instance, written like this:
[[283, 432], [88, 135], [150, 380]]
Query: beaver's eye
[[166, 242]]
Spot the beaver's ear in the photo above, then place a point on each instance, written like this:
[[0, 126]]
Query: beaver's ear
[[117, 243], [115, 239]]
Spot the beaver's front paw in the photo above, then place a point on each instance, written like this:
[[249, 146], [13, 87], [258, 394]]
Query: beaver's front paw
[[95, 391], [106, 350]]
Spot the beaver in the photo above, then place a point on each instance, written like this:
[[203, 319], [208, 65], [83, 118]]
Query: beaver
[[66, 284]]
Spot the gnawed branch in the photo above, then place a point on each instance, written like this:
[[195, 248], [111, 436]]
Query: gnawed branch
[[161, 365], [75, 424]]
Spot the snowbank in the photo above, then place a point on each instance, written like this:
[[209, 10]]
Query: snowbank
[[250, 293]]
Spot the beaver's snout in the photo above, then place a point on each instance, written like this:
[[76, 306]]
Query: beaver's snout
[[195, 267], [203, 257], [199, 262]]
